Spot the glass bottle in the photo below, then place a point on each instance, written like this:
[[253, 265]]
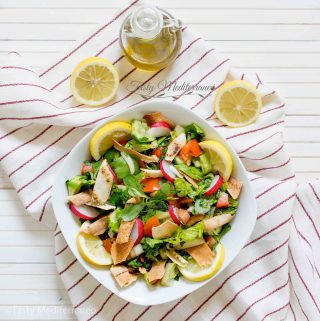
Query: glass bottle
[[150, 38]]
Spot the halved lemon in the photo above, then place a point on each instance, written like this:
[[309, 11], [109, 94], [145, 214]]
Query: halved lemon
[[220, 158], [237, 103], [194, 272], [94, 81], [92, 250], [101, 141]]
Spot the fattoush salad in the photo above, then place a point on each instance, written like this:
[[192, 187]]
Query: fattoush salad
[[155, 200]]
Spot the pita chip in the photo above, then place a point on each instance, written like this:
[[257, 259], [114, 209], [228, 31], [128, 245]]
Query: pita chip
[[195, 219], [157, 272], [166, 229], [212, 223], [96, 228], [80, 198], [103, 185], [122, 275], [120, 251], [106, 207], [156, 117], [202, 254], [175, 146], [153, 173], [184, 215], [124, 231], [142, 157], [234, 188]]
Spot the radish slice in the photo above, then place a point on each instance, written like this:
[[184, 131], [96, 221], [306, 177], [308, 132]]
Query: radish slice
[[160, 128], [165, 168], [173, 214], [137, 231], [214, 186], [84, 212], [160, 124], [115, 177], [129, 161]]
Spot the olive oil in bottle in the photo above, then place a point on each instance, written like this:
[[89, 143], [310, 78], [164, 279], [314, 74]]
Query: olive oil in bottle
[[150, 38]]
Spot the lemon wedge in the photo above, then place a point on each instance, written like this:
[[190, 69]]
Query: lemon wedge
[[92, 250], [237, 103], [220, 158], [94, 81], [194, 272], [101, 141]]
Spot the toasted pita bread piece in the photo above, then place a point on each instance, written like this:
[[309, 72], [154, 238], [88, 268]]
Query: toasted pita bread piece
[[176, 258], [166, 229], [122, 275], [152, 173], [103, 185], [80, 198], [142, 157], [184, 215], [210, 241], [212, 223], [234, 188], [195, 219], [96, 228], [175, 146], [120, 251], [156, 117], [157, 272], [202, 254], [106, 207], [124, 231]]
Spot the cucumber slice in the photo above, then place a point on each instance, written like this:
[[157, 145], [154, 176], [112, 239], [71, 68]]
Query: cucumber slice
[[140, 132]]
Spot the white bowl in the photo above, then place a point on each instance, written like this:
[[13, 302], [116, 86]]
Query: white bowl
[[139, 292]]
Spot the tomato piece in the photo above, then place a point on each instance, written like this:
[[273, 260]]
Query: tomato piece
[[151, 184], [107, 245], [150, 223], [158, 152], [190, 150], [223, 200], [86, 167]]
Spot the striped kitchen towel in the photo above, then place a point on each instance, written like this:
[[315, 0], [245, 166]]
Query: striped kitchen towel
[[275, 276]]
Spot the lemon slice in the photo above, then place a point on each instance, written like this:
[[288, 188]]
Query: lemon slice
[[238, 103], [101, 141], [220, 158], [194, 272], [94, 81], [92, 250]]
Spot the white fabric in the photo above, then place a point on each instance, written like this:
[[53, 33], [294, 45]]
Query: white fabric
[[276, 275]]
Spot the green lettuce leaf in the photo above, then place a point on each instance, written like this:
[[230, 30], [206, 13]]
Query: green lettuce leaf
[[193, 131], [151, 247], [134, 187], [114, 220], [163, 192], [191, 171], [183, 188], [118, 196], [132, 211], [187, 235]]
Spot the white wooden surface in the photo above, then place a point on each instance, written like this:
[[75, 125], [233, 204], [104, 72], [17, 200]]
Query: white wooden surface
[[280, 39]]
